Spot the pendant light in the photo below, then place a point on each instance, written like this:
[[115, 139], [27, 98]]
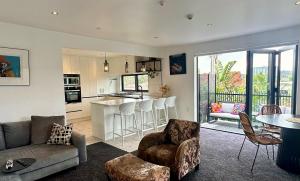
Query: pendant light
[[126, 65], [106, 65]]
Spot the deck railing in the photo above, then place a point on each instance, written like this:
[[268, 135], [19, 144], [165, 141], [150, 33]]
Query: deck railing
[[257, 100]]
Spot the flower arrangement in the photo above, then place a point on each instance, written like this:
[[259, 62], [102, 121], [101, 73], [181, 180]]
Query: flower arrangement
[[164, 89]]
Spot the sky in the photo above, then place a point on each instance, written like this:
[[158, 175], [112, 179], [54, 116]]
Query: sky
[[260, 60]]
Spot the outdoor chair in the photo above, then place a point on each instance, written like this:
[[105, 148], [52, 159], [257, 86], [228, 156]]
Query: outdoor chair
[[269, 110], [256, 139]]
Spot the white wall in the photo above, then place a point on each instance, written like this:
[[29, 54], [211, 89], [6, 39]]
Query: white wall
[[45, 95], [183, 85]]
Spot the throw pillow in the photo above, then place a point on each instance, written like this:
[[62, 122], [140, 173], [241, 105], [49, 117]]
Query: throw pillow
[[41, 127], [216, 107], [238, 108], [61, 135], [16, 134]]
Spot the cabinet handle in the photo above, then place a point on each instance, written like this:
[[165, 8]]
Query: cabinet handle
[[73, 111]]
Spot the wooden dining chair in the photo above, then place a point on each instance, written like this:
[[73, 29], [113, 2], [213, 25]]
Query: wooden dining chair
[[256, 139], [269, 110]]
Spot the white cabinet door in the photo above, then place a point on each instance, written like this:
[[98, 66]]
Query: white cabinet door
[[93, 77], [74, 111], [75, 66], [66, 64], [84, 76]]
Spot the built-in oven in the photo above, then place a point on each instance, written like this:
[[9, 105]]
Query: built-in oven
[[72, 88], [72, 94], [72, 79]]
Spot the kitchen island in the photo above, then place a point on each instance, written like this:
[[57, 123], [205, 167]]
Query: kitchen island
[[102, 113]]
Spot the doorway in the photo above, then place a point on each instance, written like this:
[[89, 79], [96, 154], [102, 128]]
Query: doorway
[[252, 78], [272, 78]]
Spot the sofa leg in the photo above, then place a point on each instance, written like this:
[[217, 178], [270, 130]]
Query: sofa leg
[[107, 177], [197, 167]]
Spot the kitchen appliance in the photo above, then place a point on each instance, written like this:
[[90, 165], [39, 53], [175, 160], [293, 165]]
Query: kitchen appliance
[[72, 88], [71, 79]]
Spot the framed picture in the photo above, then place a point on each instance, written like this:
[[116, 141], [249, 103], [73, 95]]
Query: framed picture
[[177, 64], [14, 66]]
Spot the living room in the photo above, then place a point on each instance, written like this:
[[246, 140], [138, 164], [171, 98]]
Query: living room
[[158, 29]]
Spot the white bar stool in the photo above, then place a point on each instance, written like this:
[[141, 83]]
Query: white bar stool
[[127, 110], [145, 107], [159, 105], [171, 103]]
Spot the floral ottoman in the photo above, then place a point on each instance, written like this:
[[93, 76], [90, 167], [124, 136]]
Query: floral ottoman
[[131, 168]]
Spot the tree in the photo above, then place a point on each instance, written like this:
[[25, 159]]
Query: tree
[[228, 81]]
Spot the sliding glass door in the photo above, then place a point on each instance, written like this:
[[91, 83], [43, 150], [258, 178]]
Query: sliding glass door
[[252, 78]]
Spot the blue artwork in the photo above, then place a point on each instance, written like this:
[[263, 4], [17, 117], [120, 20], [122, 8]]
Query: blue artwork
[[178, 64], [10, 66]]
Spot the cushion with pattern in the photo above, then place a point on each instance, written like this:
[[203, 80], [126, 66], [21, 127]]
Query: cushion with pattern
[[61, 135], [238, 107], [216, 107]]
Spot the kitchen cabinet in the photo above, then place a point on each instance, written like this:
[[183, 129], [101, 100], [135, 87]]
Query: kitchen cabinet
[[88, 74], [71, 64]]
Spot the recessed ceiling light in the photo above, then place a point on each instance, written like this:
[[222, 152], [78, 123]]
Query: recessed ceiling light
[[54, 13], [297, 3]]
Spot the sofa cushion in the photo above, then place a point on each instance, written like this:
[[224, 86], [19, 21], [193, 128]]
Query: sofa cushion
[[45, 155], [60, 135], [237, 108], [162, 154], [2, 139], [225, 115], [16, 133], [180, 130], [41, 127], [216, 107], [227, 107]]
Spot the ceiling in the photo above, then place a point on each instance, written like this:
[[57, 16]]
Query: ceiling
[[91, 53], [139, 21]]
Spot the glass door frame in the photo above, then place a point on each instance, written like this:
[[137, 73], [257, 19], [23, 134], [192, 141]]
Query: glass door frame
[[274, 88], [249, 80]]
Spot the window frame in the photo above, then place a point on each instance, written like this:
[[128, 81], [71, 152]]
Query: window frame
[[136, 82]]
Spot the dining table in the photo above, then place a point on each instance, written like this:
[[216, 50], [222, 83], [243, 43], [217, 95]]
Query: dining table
[[288, 154]]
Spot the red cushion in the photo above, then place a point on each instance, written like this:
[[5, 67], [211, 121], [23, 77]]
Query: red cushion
[[216, 107]]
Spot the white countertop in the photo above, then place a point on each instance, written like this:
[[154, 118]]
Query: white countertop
[[117, 102]]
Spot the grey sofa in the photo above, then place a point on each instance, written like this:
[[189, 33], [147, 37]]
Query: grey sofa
[[27, 139]]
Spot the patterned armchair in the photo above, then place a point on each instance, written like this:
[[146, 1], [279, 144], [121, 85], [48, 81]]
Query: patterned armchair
[[177, 147]]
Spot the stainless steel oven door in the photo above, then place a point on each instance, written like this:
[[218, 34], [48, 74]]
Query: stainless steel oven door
[[72, 96]]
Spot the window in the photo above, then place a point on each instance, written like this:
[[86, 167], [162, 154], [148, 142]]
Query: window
[[132, 81]]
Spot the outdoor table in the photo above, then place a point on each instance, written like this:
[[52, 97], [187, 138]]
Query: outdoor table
[[288, 155]]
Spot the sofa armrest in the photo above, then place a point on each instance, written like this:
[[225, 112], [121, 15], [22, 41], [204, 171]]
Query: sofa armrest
[[150, 140], [78, 140], [187, 156]]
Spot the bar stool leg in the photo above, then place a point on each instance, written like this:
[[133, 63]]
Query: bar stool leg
[[114, 127], [166, 113], [166, 116], [154, 121], [134, 119], [142, 125], [122, 130], [155, 111], [176, 113], [159, 116]]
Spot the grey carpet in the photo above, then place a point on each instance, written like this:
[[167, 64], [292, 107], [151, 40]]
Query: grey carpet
[[218, 162]]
